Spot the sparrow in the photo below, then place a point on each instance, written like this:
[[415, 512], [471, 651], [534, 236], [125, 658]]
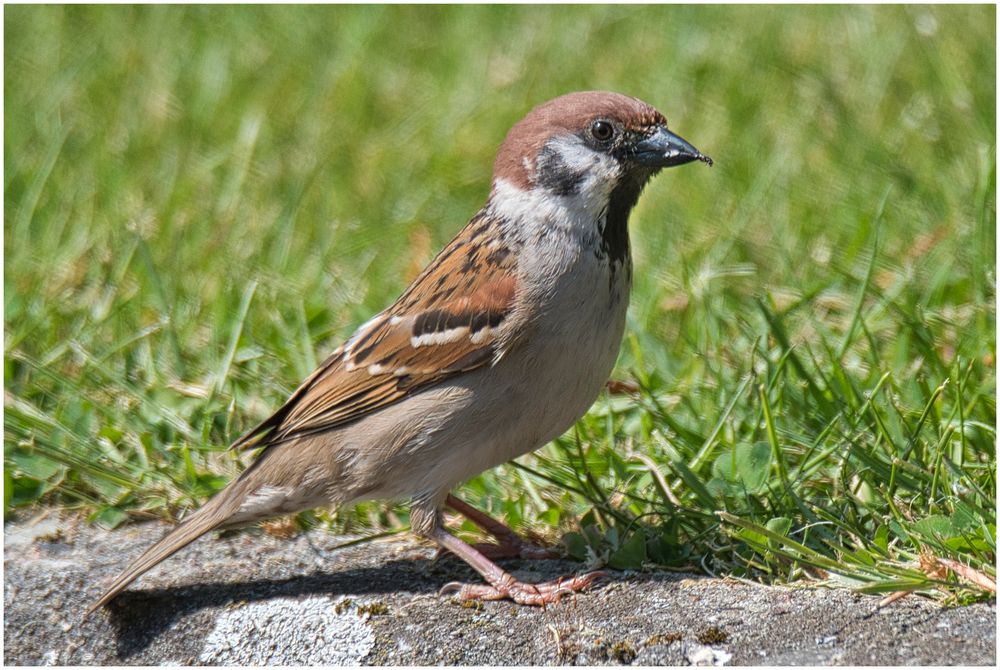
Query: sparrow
[[496, 348]]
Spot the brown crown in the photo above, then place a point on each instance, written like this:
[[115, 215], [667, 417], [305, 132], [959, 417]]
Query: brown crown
[[569, 113]]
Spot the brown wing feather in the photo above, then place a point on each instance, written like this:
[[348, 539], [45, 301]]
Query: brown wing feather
[[448, 321]]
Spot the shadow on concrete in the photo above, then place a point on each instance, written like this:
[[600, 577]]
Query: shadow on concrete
[[139, 617]]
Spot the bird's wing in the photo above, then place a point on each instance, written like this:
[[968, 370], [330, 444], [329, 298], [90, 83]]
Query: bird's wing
[[456, 316]]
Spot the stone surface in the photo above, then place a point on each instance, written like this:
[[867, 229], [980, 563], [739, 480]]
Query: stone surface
[[251, 598]]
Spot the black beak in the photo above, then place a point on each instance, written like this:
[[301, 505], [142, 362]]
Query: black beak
[[664, 149]]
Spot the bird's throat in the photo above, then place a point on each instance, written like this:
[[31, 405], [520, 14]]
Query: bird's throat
[[614, 234]]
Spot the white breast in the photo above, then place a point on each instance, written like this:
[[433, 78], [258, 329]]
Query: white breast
[[579, 297]]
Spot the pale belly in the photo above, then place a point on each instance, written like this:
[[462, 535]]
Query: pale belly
[[492, 415]]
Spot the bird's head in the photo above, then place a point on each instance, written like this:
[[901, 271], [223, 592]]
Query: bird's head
[[587, 144]]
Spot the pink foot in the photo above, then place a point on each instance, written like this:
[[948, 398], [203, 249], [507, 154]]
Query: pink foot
[[522, 593], [509, 544]]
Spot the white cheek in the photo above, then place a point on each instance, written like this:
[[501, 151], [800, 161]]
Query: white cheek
[[599, 174], [527, 212], [519, 209], [601, 171]]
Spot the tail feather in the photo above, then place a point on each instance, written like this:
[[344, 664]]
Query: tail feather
[[212, 515], [226, 510]]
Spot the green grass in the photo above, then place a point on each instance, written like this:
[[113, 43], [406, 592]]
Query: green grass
[[199, 203]]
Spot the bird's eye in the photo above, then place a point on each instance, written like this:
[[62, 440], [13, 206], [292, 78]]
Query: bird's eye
[[602, 130]]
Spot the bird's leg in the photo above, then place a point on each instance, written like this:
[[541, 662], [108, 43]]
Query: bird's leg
[[502, 584], [509, 543]]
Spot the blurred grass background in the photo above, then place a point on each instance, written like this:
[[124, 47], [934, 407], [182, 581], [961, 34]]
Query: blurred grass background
[[201, 202]]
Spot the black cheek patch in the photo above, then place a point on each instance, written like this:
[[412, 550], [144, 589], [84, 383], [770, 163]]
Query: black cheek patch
[[553, 174]]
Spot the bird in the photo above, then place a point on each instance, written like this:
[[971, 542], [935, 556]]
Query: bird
[[496, 348]]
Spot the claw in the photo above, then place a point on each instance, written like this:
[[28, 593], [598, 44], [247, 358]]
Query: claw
[[451, 587], [501, 584], [560, 592]]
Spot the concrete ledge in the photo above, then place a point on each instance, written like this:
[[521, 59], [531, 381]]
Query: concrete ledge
[[251, 599]]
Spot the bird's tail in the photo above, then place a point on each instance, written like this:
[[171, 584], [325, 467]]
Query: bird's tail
[[216, 513]]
